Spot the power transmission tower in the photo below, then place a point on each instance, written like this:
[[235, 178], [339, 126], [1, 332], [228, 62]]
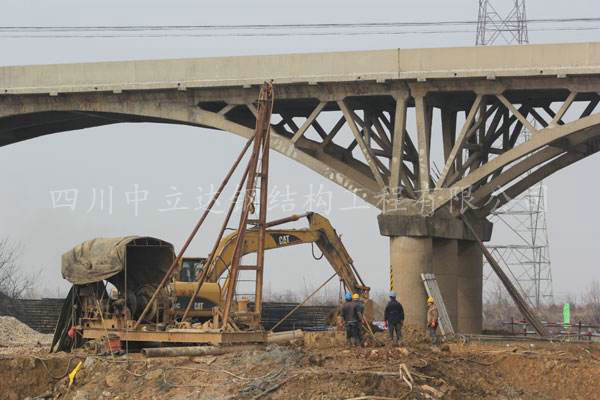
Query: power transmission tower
[[525, 251], [491, 26]]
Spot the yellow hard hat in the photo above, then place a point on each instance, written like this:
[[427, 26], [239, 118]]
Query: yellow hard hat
[[355, 296], [430, 299]]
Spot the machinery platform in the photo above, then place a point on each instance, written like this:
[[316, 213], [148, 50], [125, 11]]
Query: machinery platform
[[180, 336]]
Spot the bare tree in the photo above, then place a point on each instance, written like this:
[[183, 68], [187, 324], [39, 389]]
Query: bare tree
[[13, 282], [286, 296], [591, 299], [498, 308]]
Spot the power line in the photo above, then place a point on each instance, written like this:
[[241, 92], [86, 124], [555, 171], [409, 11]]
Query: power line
[[281, 26], [263, 34], [277, 30]]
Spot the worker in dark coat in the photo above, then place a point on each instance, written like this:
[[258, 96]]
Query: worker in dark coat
[[360, 310], [351, 315], [394, 318]]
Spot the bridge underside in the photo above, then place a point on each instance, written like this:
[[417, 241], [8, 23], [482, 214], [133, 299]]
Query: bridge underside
[[377, 144], [423, 149]]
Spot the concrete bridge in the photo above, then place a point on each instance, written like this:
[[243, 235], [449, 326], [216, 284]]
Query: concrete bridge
[[423, 134]]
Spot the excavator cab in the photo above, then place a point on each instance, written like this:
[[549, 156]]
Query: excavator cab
[[191, 268], [210, 294]]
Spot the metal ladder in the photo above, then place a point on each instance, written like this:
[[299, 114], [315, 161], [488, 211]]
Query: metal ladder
[[256, 185], [433, 290]]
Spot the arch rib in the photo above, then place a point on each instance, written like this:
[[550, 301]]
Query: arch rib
[[537, 176], [176, 110], [543, 138]]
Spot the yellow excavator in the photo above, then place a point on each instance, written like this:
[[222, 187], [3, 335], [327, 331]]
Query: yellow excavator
[[319, 232], [138, 263]]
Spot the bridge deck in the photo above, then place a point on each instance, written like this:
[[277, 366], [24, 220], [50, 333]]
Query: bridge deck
[[378, 65]]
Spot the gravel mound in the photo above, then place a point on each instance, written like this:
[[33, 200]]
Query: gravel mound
[[14, 333]]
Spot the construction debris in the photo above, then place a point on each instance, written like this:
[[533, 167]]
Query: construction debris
[[470, 370]]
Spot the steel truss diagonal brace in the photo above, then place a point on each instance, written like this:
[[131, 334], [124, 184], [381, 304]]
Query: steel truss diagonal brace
[[311, 118], [460, 142], [517, 114], [357, 136]]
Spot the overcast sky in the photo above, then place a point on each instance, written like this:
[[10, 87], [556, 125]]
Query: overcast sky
[[164, 159]]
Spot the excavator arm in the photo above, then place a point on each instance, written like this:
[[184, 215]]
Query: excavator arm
[[331, 246], [319, 232]]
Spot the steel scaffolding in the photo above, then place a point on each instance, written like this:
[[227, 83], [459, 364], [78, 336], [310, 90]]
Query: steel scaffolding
[[520, 229]]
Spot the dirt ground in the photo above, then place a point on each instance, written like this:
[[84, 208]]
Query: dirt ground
[[416, 370]]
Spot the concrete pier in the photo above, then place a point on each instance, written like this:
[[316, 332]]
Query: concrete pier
[[418, 245], [409, 258], [469, 287]]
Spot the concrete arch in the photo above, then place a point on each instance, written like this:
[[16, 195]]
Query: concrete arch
[[547, 144], [542, 173], [83, 111]]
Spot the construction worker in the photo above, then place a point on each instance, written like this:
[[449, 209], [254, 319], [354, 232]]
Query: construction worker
[[350, 315], [432, 319], [360, 309], [394, 318]]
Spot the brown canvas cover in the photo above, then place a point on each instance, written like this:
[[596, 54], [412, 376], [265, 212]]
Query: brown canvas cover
[[99, 259]]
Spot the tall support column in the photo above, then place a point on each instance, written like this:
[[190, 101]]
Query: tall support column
[[409, 258], [398, 143], [444, 247], [423, 114], [469, 298], [446, 264]]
